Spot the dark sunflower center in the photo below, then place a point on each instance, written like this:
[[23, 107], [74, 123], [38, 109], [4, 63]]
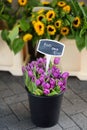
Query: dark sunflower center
[[22, 1], [40, 26], [57, 24], [64, 30], [51, 29], [61, 3], [50, 15], [76, 22], [40, 18]]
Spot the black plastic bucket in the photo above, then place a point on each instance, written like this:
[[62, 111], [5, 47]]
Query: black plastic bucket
[[45, 110]]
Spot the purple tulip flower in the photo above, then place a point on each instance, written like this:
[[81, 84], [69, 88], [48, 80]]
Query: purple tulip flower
[[40, 71], [38, 82], [56, 60], [65, 75], [60, 83], [52, 81], [47, 85], [23, 69], [30, 73], [46, 91], [63, 88]]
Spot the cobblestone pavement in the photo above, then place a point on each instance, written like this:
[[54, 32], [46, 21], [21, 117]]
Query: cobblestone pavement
[[15, 113]]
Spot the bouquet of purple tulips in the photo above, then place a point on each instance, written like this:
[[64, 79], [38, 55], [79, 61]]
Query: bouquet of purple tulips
[[41, 82]]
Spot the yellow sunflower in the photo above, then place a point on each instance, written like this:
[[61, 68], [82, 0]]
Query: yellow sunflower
[[22, 2], [50, 15], [27, 37], [64, 31], [45, 3], [10, 1], [61, 3], [58, 24], [33, 22], [40, 17], [39, 28], [76, 22], [67, 8], [51, 29]]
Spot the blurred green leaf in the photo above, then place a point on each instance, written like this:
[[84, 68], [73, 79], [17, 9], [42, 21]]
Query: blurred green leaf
[[13, 33], [17, 45], [80, 41], [24, 25], [53, 92], [4, 35], [34, 3], [57, 89], [38, 92], [84, 29]]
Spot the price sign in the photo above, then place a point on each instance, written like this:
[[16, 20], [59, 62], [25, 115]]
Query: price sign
[[50, 47]]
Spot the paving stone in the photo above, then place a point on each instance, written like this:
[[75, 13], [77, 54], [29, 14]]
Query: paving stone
[[77, 85], [3, 128], [66, 102], [85, 113], [20, 80], [70, 95], [73, 109], [4, 109], [73, 82], [65, 121], [4, 74], [16, 98], [20, 111], [81, 120], [6, 77], [56, 127], [73, 128], [84, 95], [16, 87], [26, 104], [8, 120], [11, 119], [22, 125], [6, 93], [3, 86], [2, 125]]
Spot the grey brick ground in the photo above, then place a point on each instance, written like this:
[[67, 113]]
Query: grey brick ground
[[65, 121], [81, 120], [20, 111], [73, 128], [56, 127], [15, 112]]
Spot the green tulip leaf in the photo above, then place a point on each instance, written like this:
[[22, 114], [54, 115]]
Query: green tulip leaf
[[53, 92]]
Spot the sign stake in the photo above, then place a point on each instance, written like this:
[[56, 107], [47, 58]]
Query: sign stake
[[48, 57]]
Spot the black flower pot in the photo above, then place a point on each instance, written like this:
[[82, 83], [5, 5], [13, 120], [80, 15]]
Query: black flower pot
[[45, 110]]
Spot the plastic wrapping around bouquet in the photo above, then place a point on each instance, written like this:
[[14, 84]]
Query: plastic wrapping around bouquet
[[45, 110]]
